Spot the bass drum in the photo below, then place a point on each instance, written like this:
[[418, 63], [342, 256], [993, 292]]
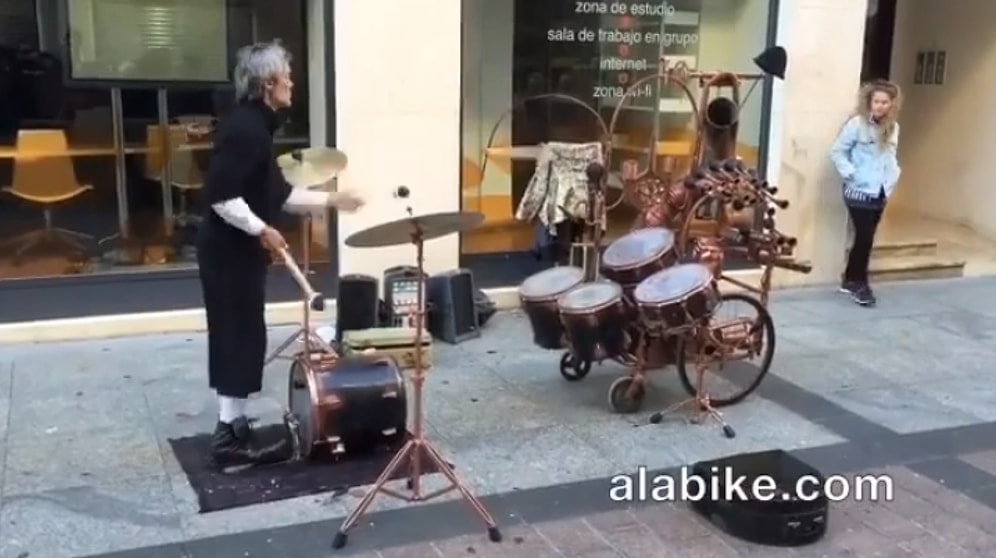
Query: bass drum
[[350, 404]]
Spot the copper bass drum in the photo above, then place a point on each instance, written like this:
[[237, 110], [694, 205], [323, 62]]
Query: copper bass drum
[[680, 297], [346, 405], [639, 254], [539, 294]]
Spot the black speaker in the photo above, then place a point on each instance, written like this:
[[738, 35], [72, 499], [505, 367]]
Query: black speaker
[[453, 307], [357, 304]]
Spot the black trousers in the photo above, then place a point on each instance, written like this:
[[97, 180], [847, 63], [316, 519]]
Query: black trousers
[[235, 301], [865, 221]]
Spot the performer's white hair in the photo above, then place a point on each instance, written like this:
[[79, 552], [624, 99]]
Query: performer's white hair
[[255, 65]]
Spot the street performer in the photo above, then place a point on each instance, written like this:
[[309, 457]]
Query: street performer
[[245, 192]]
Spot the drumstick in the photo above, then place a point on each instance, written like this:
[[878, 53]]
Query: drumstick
[[315, 299]]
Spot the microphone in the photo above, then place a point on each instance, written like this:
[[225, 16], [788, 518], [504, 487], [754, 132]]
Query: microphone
[[402, 192], [595, 172]]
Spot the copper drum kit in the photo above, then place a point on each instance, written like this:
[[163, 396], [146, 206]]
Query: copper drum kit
[[339, 403], [412, 456], [654, 297]]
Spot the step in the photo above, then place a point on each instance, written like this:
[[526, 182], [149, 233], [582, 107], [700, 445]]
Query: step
[[909, 268], [891, 248]]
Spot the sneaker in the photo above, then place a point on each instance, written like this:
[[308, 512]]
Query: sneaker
[[864, 296], [849, 287]]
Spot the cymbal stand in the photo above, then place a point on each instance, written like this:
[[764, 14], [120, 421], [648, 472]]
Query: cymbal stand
[[703, 408], [417, 447], [305, 333]]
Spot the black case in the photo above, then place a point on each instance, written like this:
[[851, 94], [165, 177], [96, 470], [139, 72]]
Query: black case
[[777, 522]]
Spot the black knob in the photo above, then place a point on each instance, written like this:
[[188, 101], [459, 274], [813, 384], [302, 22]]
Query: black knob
[[402, 192]]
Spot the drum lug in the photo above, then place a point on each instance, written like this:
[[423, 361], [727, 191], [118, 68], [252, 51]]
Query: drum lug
[[293, 426], [336, 444], [391, 394]]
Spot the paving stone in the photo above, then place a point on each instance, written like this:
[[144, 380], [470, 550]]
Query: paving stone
[[423, 550], [573, 537], [517, 540], [87, 520]]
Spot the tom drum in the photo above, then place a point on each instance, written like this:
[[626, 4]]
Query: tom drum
[[639, 254], [346, 404], [594, 318], [539, 294], [681, 296]]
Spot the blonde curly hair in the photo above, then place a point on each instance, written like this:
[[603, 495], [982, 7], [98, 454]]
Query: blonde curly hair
[[888, 123]]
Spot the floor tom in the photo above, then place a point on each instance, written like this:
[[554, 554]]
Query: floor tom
[[539, 294], [594, 318], [681, 296]]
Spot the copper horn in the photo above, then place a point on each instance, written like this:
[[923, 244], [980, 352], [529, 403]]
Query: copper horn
[[719, 119], [315, 299]]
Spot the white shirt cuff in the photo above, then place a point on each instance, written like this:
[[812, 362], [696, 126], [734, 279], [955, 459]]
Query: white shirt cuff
[[236, 212], [302, 200]]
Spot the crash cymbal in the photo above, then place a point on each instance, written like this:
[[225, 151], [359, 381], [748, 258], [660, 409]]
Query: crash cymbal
[[311, 167], [324, 160], [303, 175], [433, 225]]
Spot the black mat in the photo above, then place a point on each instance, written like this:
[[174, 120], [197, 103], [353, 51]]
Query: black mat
[[218, 491]]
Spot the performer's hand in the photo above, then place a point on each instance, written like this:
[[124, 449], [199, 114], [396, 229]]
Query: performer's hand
[[345, 201], [272, 240]]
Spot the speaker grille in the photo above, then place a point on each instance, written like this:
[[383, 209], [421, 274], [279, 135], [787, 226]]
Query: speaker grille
[[463, 303], [356, 304]]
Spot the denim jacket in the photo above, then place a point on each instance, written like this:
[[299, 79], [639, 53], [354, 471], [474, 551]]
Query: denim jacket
[[867, 168]]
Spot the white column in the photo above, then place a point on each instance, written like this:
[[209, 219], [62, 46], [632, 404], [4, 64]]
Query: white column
[[819, 92], [398, 119]]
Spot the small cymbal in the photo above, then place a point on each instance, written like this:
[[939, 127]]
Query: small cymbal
[[304, 175], [325, 160], [311, 167], [433, 225]]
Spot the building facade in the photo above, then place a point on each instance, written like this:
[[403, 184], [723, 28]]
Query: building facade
[[415, 103], [417, 122]]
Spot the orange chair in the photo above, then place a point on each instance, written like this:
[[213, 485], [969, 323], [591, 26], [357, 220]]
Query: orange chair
[[44, 175], [185, 174]]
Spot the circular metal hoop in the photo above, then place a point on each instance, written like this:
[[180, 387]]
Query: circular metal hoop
[[545, 96], [675, 78]]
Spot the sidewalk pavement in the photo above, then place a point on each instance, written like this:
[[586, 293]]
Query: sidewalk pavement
[[87, 467]]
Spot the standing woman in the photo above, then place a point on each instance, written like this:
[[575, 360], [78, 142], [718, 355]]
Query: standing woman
[[245, 191], [865, 156]]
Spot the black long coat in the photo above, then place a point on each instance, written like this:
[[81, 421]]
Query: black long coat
[[233, 264]]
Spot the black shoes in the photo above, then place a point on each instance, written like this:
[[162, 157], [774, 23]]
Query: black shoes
[[234, 446], [860, 293]]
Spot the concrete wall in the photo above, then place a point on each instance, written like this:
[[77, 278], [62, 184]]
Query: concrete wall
[[948, 139], [398, 120], [824, 39]]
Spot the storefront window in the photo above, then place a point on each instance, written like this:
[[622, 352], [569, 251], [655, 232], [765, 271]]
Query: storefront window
[[67, 206], [516, 50]]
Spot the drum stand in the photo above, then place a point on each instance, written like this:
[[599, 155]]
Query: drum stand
[[703, 406], [417, 447], [305, 332]]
